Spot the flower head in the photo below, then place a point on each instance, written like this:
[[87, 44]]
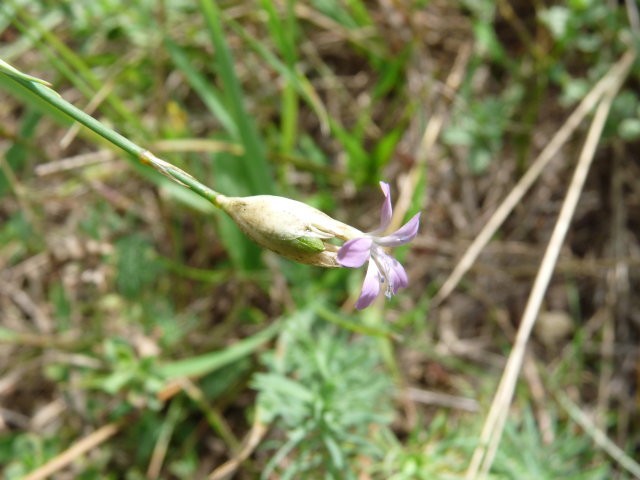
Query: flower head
[[382, 269], [301, 233], [289, 228]]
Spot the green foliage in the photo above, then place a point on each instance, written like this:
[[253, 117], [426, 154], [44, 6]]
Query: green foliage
[[439, 452], [320, 99], [212, 361], [524, 455], [432, 453], [62, 306], [16, 156], [22, 453], [256, 177], [18, 238], [136, 265], [327, 394], [334, 10], [584, 25], [481, 125], [248, 173], [128, 373]]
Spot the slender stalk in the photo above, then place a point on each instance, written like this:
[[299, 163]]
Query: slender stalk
[[38, 88]]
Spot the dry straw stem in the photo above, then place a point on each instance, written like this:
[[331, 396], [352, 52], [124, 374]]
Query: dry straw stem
[[251, 441], [90, 109], [78, 449], [598, 436], [494, 424], [163, 439], [81, 160], [213, 416], [527, 180], [428, 397]]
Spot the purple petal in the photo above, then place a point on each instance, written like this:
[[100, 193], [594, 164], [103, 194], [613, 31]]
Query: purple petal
[[398, 277], [387, 209], [370, 287], [355, 252], [403, 235]]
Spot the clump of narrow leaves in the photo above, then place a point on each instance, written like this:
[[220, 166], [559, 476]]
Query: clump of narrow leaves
[[327, 395]]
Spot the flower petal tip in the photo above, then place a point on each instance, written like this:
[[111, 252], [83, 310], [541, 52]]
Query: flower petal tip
[[370, 287]]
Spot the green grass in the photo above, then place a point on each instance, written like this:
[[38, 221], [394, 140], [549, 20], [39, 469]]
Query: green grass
[[127, 300]]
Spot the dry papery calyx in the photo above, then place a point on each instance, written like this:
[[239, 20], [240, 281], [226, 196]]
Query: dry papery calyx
[[289, 228]]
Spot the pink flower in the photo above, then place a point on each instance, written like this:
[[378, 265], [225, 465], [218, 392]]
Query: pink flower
[[383, 269]]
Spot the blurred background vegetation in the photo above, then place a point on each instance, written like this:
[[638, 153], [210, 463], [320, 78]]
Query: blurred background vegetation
[[142, 336]]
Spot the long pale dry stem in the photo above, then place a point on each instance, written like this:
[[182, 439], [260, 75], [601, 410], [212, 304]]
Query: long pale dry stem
[[599, 437], [528, 179], [251, 442], [78, 449], [494, 424]]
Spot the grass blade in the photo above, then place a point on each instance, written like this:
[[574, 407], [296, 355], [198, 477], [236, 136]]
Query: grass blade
[[211, 97], [210, 362], [257, 175]]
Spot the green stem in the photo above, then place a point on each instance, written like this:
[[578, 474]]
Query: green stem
[[142, 155]]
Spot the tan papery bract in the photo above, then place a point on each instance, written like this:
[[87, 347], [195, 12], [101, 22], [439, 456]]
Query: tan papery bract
[[276, 223]]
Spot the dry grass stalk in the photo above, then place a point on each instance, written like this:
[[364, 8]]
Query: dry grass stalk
[[251, 442], [494, 424], [598, 436], [527, 180], [78, 449]]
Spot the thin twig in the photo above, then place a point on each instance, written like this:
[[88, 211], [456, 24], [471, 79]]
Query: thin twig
[[527, 180], [536, 387], [22, 299], [91, 107], [251, 441], [494, 424], [77, 161], [213, 416], [632, 14], [79, 448], [440, 399], [598, 436], [182, 145], [617, 277], [162, 443]]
